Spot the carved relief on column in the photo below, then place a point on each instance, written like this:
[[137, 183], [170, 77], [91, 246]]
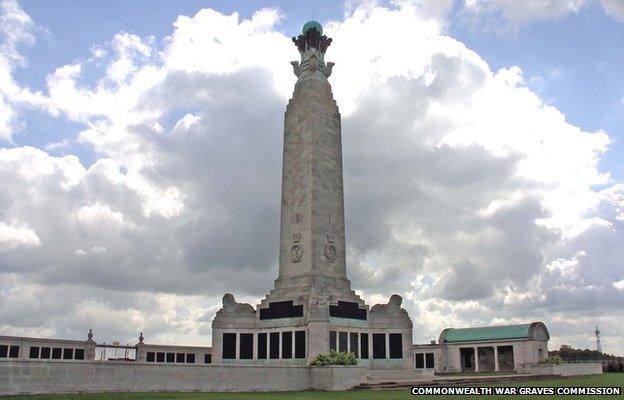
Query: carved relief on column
[[330, 249], [296, 252]]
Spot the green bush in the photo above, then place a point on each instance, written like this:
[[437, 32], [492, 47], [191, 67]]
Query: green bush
[[613, 366], [552, 360], [335, 358]]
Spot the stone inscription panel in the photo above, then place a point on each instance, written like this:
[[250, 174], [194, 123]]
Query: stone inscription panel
[[300, 350], [274, 340], [379, 345], [262, 346], [281, 309], [229, 346], [346, 309], [246, 346], [396, 345], [364, 346]]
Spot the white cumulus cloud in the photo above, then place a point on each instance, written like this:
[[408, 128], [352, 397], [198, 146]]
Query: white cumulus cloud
[[12, 236], [520, 12]]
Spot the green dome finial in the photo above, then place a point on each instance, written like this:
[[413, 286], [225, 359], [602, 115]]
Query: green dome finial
[[312, 24]]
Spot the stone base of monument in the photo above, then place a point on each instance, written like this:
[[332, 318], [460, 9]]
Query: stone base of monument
[[294, 332], [337, 377]]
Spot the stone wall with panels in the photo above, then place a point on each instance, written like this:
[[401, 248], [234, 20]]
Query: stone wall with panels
[[154, 353], [569, 369], [32, 377], [46, 349]]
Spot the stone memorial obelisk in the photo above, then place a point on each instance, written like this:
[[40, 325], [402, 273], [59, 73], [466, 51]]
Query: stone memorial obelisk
[[312, 298]]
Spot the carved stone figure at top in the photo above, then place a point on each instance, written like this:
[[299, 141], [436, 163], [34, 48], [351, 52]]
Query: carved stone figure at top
[[231, 306], [393, 306]]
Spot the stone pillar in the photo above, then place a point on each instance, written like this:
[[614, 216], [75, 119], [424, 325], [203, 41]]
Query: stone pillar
[[317, 338], [140, 349], [408, 350], [217, 346], [238, 347], [90, 346], [476, 357], [255, 346], [495, 358], [348, 341]]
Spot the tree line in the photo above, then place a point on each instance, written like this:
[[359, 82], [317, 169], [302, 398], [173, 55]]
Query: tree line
[[610, 362]]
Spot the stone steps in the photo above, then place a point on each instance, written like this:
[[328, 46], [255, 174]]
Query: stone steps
[[459, 381]]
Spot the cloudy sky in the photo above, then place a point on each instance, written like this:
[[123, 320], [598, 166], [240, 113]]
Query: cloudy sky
[[140, 156]]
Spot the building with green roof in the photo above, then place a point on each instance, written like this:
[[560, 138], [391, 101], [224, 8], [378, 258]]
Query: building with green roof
[[487, 348]]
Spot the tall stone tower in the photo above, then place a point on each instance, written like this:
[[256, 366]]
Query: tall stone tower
[[312, 308], [312, 238]]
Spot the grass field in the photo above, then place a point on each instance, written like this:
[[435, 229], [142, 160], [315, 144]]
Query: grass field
[[593, 380]]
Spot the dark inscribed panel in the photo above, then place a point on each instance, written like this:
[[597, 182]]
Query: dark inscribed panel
[[332, 340], [346, 309], [180, 357], [4, 350], [229, 346], [286, 344], [45, 352], [281, 309], [246, 346], [170, 357], [68, 354], [342, 341], [379, 345], [420, 360], [396, 345], [79, 354], [190, 358], [353, 343], [56, 353], [430, 362], [262, 346], [14, 352], [160, 357], [274, 345], [151, 356], [34, 352], [207, 358], [364, 346], [300, 349]]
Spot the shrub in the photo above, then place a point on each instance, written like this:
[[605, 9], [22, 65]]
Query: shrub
[[552, 360], [613, 366], [335, 358]]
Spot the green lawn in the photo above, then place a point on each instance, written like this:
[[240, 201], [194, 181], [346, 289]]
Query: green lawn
[[594, 380]]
